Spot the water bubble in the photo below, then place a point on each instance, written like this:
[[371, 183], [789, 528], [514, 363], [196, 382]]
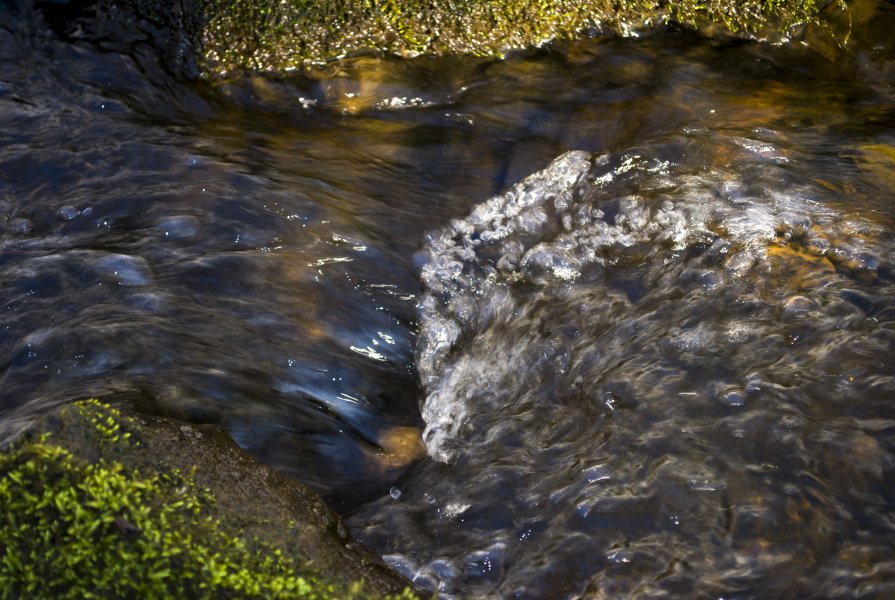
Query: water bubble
[[739, 264], [597, 473], [795, 305], [733, 398], [179, 227], [443, 569], [68, 213], [401, 564], [395, 493], [753, 388], [488, 563], [19, 225], [737, 333], [790, 422], [127, 270], [706, 485], [148, 302], [453, 509], [425, 581], [542, 264], [710, 280], [618, 555], [429, 498]]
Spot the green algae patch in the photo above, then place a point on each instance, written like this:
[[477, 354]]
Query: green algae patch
[[280, 36], [95, 505], [221, 38], [758, 17]]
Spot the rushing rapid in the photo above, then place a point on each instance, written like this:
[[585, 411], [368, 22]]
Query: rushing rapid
[[641, 369]]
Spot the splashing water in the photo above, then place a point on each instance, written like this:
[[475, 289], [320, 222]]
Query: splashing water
[[639, 368], [622, 233]]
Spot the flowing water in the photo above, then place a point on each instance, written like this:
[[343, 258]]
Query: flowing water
[[638, 295]]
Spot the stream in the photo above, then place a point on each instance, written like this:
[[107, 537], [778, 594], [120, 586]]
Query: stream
[[637, 295]]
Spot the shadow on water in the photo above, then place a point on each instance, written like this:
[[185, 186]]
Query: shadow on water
[[662, 369]]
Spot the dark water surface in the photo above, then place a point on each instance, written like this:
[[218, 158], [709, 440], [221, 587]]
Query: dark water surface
[[660, 366]]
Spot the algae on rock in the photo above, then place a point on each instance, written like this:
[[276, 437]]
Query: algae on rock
[[100, 504], [231, 36]]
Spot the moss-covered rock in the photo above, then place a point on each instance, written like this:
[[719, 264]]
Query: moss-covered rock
[[231, 36], [99, 504]]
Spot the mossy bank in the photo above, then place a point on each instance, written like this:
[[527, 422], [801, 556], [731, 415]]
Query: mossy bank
[[100, 504], [224, 37]]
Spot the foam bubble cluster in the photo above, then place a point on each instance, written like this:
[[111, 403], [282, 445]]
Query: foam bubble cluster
[[562, 227]]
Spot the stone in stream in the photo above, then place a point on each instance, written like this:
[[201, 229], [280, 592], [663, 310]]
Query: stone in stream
[[103, 502], [222, 38]]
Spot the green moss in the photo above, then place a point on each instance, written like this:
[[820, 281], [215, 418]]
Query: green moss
[[275, 35], [219, 38], [72, 528], [110, 425], [753, 16]]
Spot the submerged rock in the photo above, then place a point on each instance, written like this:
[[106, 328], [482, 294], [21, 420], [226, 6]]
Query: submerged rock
[[98, 502]]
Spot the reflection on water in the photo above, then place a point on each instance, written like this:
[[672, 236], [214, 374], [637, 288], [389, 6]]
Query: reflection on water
[[660, 366]]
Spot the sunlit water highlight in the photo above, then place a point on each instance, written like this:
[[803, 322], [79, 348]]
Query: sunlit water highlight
[[637, 293]]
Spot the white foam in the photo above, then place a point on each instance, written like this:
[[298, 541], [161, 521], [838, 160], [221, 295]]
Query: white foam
[[560, 226]]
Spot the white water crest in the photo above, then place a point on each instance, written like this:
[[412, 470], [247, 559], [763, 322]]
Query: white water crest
[[681, 228]]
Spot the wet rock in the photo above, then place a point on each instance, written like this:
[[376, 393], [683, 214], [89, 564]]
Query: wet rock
[[223, 38], [179, 509]]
